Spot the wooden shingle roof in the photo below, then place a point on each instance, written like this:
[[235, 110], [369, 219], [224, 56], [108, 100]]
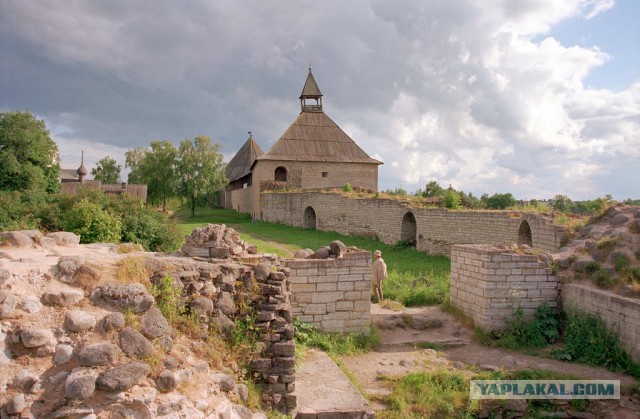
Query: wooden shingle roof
[[314, 137], [240, 164]]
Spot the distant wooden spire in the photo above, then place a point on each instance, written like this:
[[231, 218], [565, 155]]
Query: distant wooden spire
[[311, 91], [82, 170]]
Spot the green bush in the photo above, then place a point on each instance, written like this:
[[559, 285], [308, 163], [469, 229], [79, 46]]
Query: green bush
[[146, 226], [92, 223], [621, 262], [451, 199], [347, 187], [586, 339], [603, 279], [592, 267], [520, 333]]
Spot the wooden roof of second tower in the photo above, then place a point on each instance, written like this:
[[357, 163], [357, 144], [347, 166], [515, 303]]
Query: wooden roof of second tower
[[240, 164]]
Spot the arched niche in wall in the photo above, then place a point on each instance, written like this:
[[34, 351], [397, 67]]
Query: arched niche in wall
[[280, 174], [524, 234], [309, 218], [408, 228]]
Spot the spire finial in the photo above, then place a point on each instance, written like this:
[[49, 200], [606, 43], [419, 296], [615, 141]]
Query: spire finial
[[309, 66], [82, 157], [249, 132]]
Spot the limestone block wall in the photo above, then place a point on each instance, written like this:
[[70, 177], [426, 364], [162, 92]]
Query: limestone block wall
[[433, 229], [332, 294], [489, 283], [240, 200], [618, 313]]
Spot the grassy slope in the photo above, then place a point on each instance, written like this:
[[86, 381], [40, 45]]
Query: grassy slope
[[414, 278]]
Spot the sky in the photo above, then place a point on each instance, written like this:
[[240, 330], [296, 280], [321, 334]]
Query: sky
[[532, 97]]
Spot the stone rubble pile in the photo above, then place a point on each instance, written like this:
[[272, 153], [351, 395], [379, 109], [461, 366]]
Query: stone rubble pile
[[607, 241], [69, 349], [216, 241]]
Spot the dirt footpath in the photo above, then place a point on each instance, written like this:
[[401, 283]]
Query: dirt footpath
[[399, 353]]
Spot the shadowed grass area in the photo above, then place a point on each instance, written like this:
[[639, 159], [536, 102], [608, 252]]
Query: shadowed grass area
[[415, 278]]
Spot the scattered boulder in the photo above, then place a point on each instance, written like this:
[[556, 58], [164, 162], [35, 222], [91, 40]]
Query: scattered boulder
[[337, 248], [134, 344], [201, 305], [98, 354], [16, 239], [80, 384], [123, 377], [122, 296], [64, 238], [301, 254], [24, 380], [221, 322], [225, 303], [242, 391], [5, 276], [153, 324], [79, 321], [63, 353], [7, 304], [112, 321], [31, 304], [16, 405], [225, 381], [166, 381], [322, 253], [34, 338], [63, 297]]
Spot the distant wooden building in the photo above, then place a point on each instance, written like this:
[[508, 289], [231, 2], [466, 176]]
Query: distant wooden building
[[313, 153], [73, 180]]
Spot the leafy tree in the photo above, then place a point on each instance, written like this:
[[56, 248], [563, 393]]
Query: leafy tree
[[133, 158], [451, 199], [200, 169], [28, 156], [500, 200], [158, 170], [107, 171], [432, 189], [562, 203]]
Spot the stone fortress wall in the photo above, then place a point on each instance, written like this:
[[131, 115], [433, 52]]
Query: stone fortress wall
[[489, 283], [434, 230], [332, 294], [619, 313]]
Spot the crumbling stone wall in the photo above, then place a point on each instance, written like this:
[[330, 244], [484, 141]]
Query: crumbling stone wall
[[436, 229], [619, 313], [489, 283], [232, 270], [333, 294]]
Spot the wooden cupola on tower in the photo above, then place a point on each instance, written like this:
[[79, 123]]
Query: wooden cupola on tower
[[311, 91]]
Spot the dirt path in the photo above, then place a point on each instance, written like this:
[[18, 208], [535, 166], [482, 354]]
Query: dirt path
[[399, 353]]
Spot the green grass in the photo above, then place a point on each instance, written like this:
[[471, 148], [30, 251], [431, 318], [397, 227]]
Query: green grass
[[334, 343], [414, 278], [443, 393]]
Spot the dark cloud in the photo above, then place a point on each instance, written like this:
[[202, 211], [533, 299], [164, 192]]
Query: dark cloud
[[462, 92]]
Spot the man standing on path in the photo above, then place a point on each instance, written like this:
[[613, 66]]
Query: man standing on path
[[379, 274]]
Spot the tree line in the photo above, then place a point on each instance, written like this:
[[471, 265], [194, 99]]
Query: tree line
[[455, 199], [30, 182], [29, 160]]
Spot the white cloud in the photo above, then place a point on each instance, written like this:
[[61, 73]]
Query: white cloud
[[476, 94]]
